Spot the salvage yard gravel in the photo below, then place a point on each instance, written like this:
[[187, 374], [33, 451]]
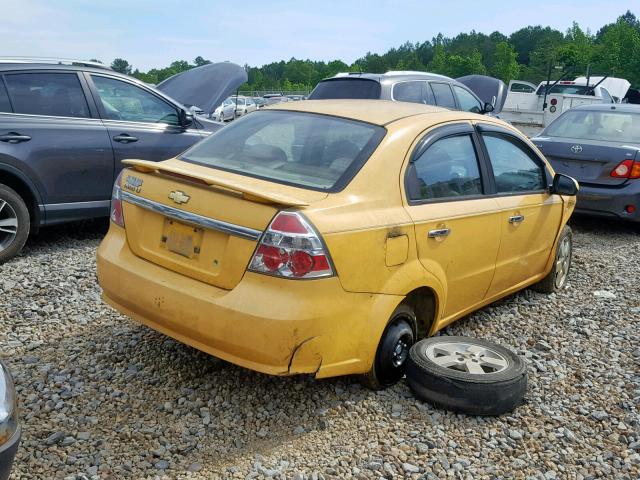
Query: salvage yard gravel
[[103, 397]]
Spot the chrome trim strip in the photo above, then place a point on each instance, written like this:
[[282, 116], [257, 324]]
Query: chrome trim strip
[[192, 218]]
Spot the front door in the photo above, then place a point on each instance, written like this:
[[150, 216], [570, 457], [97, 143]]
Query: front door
[[530, 216], [141, 124], [457, 226]]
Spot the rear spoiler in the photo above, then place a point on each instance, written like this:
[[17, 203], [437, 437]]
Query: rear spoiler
[[248, 192]]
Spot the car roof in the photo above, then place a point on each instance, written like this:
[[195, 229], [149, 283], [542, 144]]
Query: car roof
[[622, 107], [393, 75], [380, 112]]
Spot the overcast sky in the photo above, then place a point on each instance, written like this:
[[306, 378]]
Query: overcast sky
[[154, 33]]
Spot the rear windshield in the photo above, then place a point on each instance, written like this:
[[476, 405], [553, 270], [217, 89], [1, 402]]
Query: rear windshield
[[565, 89], [358, 88], [306, 150], [608, 126]]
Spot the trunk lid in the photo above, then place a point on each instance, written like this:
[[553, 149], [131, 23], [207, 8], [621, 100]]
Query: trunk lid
[[589, 162], [200, 222]]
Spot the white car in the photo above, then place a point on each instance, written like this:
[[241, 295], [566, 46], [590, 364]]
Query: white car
[[244, 105], [226, 111]]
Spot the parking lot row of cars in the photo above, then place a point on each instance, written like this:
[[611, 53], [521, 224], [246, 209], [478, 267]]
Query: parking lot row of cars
[[238, 105]]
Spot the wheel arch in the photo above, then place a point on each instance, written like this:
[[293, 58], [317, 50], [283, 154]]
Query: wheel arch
[[23, 187]]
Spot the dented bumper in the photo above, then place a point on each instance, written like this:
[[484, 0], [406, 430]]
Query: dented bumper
[[267, 324]]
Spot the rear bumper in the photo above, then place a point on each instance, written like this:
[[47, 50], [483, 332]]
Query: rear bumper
[[271, 325], [7, 454], [610, 202]]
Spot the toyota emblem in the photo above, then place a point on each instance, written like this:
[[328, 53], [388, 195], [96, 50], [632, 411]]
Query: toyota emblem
[[576, 149]]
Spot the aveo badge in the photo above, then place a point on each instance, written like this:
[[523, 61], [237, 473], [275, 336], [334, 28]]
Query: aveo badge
[[133, 184], [179, 197]]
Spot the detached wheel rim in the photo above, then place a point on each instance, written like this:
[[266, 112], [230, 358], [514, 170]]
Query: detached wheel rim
[[466, 357], [563, 261], [8, 225]]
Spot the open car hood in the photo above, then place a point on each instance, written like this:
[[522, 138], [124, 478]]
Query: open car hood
[[488, 89], [204, 87]]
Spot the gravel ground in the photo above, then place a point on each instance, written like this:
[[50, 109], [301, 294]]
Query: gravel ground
[[102, 397]]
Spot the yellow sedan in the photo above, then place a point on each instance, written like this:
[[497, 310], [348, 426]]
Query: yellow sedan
[[326, 237]]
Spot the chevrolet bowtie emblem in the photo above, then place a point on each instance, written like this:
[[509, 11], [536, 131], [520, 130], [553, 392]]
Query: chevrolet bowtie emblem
[[179, 197]]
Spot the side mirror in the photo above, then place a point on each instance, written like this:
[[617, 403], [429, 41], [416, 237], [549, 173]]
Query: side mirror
[[564, 185], [487, 108], [185, 118]]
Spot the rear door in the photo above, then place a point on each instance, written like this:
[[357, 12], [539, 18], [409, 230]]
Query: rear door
[[141, 124], [50, 130], [457, 226], [529, 215]]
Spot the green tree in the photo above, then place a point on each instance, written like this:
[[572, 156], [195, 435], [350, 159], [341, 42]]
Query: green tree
[[121, 65], [505, 66]]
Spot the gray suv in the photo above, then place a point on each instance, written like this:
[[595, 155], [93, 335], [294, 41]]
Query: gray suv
[[415, 87], [65, 126]]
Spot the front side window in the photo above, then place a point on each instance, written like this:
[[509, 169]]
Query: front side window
[[408, 92], [513, 168], [124, 101], [301, 149], [467, 101], [447, 169], [51, 94], [443, 95]]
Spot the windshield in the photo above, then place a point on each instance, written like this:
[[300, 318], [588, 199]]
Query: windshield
[[301, 149], [608, 126], [357, 88], [565, 89]]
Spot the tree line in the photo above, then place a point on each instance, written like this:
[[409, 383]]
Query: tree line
[[526, 54]]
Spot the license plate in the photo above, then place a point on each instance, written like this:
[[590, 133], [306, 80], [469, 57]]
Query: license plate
[[182, 239]]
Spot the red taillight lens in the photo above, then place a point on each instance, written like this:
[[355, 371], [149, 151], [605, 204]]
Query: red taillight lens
[[117, 216], [291, 248], [554, 101], [626, 169]]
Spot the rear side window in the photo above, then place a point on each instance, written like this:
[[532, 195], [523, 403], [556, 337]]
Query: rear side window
[[357, 88], [443, 94], [53, 94], [307, 150], [513, 168], [447, 169], [5, 105], [408, 92], [467, 101]]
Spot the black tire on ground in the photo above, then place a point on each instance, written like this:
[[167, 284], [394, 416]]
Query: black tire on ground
[[499, 389], [393, 350], [12, 210], [557, 277]]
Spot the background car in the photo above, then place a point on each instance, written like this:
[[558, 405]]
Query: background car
[[414, 87], [355, 227], [65, 126], [598, 145], [259, 101], [272, 98], [226, 111], [244, 105], [10, 431]]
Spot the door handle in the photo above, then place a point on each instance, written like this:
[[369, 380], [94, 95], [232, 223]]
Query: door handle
[[440, 232], [13, 137], [516, 218], [125, 138]]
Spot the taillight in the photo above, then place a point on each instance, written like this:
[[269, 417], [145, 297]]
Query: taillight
[[626, 169], [291, 248], [117, 215]]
